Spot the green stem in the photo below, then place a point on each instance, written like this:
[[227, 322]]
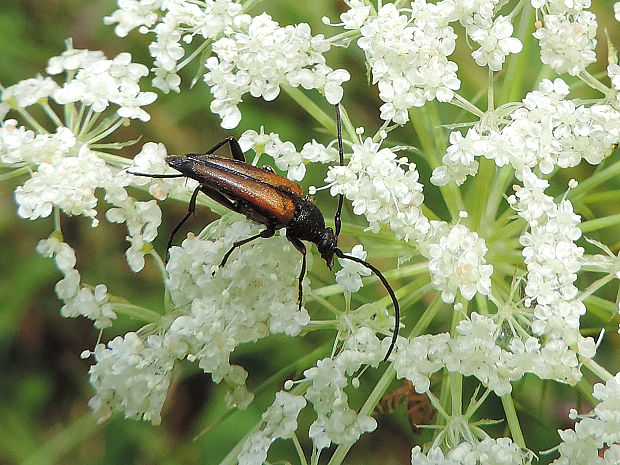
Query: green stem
[[600, 223], [597, 369], [193, 55], [136, 312], [300, 451], [312, 108], [52, 114], [466, 105], [513, 420], [595, 286]]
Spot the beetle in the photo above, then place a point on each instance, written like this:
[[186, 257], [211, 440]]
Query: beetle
[[269, 199]]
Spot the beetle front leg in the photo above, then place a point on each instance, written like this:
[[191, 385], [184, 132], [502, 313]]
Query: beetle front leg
[[265, 233], [235, 148], [299, 245]]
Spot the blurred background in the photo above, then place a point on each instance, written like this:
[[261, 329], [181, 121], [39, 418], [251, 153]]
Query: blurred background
[[44, 416]]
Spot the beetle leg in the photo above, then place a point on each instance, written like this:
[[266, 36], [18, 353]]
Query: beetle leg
[[220, 198], [265, 233], [190, 209], [235, 148], [299, 245]]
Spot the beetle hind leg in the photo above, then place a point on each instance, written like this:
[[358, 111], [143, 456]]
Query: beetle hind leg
[[265, 233], [235, 148], [299, 245]]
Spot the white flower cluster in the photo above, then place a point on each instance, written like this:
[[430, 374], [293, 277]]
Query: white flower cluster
[[98, 82], [279, 421], [379, 188], [131, 375], [477, 351], [456, 261], [67, 183], [254, 294], [487, 451], [20, 146], [552, 259], [68, 180], [567, 40], [93, 305], [337, 422], [546, 132], [407, 49], [254, 54], [408, 55], [174, 21], [216, 313], [285, 154], [595, 439], [262, 56]]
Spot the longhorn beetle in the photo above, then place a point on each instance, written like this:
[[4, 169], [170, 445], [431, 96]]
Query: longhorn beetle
[[266, 198]]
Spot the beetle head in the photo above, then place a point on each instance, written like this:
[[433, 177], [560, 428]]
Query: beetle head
[[327, 246]]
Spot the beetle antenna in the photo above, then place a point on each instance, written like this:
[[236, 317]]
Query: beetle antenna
[[337, 219], [340, 254], [159, 176]]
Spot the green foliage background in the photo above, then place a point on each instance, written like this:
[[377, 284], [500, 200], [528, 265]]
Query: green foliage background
[[44, 418]]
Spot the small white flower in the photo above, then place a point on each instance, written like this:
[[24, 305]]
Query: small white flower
[[494, 38], [132, 14], [29, 91], [350, 276], [142, 219], [459, 159], [63, 254], [456, 261], [356, 15], [336, 422], [73, 59], [567, 44], [151, 160], [318, 153]]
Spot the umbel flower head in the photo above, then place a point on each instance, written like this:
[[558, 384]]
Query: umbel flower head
[[480, 191]]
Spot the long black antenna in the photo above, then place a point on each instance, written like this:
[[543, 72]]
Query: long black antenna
[[337, 219], [340, 254]]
